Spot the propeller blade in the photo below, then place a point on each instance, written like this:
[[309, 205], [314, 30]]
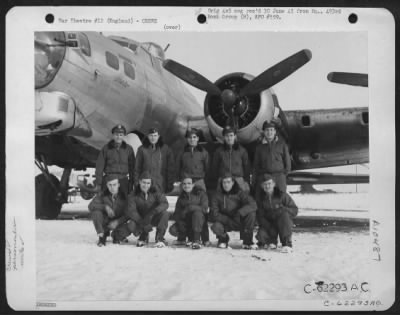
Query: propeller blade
[[191, 77], [356, 79], [277, 73]]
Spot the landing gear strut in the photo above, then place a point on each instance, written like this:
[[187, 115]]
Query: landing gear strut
[[50, 192]]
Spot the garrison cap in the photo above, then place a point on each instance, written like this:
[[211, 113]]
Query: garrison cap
[[268, 124], [153, 130], [110, 177], [228, 129], [267, 177], [192, 131], [145, 175], [119, 129]]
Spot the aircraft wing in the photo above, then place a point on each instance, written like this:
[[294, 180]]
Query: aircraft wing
[[327, 137], [317, 178]]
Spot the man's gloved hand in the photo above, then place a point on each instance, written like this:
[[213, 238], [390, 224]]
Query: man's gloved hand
[[110, 212], [113, 224]]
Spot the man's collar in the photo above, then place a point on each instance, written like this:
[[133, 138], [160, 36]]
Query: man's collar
[[112, 144], [265, 141]]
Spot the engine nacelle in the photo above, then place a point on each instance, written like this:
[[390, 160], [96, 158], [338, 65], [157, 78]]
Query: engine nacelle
[[57, 112], [254, 111]]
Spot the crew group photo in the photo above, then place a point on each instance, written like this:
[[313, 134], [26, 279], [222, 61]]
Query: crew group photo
[[131, 199]]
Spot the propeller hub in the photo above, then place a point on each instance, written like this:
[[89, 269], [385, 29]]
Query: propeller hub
[[229, 97]]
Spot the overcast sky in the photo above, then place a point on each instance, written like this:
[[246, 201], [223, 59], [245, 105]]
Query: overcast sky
[[216, 54]]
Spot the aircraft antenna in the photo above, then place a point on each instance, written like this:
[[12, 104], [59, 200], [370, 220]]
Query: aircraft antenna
[[166, 47]]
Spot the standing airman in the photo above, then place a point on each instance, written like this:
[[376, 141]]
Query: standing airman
[[156, 157], [116, 158]]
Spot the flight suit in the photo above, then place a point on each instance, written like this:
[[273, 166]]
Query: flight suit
[[194, 162], [189, 215], [235, 160], [233, 211], [271, 158], [119, 160], [159, 161], [144, 212], [99, 216], [275, 217]]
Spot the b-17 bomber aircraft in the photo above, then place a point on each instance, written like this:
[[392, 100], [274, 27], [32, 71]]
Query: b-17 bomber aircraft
[[86, 83]]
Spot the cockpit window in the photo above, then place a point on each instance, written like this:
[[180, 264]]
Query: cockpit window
[[112, 60], [120, 42], [85, 45], [126, 44], [133, 47]]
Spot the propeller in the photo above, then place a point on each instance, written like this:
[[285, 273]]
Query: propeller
[[277, 73], [235, 98], [356, 79], [191, 77]]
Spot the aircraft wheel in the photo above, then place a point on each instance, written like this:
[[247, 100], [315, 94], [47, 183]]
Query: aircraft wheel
[[47, 207], [87, 195]]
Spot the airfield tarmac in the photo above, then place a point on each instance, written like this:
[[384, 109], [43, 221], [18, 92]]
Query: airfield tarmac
[[70, 267]]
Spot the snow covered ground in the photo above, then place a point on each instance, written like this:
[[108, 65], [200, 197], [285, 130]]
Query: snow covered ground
[[70, 267]]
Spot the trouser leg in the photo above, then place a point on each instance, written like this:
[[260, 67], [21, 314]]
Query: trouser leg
[[218, 229], [124, 230], [267, 233], [247, 223], [124, 185], [200, 184], [158, 182], [242, 184], [280, 181], [285, 223], [257, 193], [178, 229], [160, 221], [197, 218], [262, 236], [100, 221], [205, 234]]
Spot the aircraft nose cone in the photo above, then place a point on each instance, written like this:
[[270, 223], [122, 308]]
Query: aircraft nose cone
[[49, 53]]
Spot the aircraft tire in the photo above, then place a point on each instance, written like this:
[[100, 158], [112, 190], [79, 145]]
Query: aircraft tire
[[87, 195], [47, 207]]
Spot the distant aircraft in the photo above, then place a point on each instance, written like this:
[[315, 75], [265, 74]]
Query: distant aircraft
[[85, 83]]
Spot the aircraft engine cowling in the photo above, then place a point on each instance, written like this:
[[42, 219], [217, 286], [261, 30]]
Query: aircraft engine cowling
[[250, 111], [57, 112]]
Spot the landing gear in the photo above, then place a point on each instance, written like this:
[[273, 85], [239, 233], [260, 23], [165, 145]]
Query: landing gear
[[50, 193], [47, 204]]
